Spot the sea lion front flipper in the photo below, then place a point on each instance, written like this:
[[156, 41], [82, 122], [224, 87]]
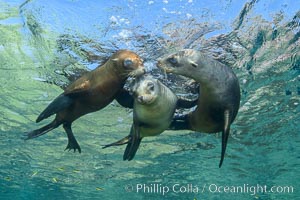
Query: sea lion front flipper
[[123, 141], [125, 99], [225, 134], [61, 102], [184, 103], [79, 87], [72, 142], [133, 143]]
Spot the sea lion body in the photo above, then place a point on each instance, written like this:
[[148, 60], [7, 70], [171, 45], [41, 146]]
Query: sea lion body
[[219, 97], [91, 92], [95, 91], [153, 110]]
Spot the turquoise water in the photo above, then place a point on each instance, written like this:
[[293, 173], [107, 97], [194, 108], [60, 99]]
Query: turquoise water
[[45, 44]]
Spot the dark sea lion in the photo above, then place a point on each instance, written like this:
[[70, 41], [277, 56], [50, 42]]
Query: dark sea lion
[[219, 98], [91, 92], [153, 111]]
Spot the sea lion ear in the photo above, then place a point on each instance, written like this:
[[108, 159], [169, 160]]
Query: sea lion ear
[[128, 62], [115, 59], [193, 63]]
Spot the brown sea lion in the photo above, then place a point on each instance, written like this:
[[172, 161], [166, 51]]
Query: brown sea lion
[[153, 110], [91, 92], [219, 98]]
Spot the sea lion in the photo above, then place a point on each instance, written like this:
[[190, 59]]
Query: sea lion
[[219, 97], [153, 110], [91, 92]]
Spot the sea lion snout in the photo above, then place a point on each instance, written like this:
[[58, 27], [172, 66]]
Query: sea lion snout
[[163, 66], [140, 99], [158, 64], [145, 98], [138, 72]]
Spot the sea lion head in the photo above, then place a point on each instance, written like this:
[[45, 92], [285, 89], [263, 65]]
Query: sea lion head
[[128, 63], [146, 89], [183, 62]]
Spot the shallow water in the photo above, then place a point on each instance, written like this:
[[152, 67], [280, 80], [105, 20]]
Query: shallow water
[[45, 44]]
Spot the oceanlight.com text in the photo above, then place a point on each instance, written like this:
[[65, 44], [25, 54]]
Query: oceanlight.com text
[[164, 189]]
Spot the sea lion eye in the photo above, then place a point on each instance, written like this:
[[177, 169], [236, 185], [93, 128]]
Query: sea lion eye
[[128, 63], [150, 86], [172, 60]]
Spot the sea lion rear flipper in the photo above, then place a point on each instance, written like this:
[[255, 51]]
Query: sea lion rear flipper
[[125, 99], [133, 143], [72, 142], [41, 131], [184, 103], [123, 141], [61, 102], [225, 134]]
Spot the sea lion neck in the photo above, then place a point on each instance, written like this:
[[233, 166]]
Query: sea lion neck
[[116, 69]]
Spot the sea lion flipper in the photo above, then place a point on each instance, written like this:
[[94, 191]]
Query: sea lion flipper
[[184, 103], [82, 86], [41, 131], [123, 141], [58, 104], [225, 134], [125, 99], [133, 143], [72, 142]]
